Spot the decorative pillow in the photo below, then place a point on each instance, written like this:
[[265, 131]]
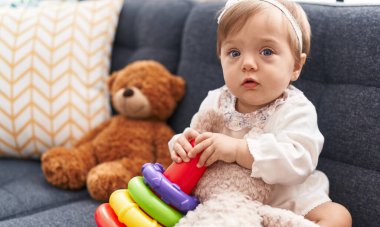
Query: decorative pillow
[[54, 62]]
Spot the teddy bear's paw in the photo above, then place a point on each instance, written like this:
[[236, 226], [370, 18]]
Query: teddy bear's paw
[[63, 169], [107, 177]]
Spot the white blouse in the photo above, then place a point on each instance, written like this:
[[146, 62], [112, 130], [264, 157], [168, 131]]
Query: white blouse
[[285, 142]]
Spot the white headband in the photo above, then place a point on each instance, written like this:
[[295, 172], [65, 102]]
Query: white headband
[[281, 7]]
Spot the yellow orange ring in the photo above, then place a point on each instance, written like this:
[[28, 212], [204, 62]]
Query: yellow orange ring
[[128, 212]]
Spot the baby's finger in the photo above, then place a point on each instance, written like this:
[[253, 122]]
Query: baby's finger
[[190, 134], [202, 142], [213, 158], [174, 156], [185, 144], [203, 137], [181, 152], [205, 156]]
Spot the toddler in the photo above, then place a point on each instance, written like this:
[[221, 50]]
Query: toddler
[[270, 128]]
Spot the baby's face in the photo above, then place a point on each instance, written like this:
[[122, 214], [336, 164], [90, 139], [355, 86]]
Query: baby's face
[[257, 61]]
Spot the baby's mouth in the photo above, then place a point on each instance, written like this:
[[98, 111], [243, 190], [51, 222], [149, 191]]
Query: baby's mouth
[[249, 83]]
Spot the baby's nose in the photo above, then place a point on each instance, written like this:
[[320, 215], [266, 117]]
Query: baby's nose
[[249, 64]]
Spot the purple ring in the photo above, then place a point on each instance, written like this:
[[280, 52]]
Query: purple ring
[[169, 192]]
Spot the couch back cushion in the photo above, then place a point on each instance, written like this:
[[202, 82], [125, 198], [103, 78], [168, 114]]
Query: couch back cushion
[[150, 30], [341, 78], [199, 64]]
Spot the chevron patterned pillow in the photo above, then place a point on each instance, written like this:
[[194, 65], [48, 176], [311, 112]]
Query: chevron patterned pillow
[[54, 62]]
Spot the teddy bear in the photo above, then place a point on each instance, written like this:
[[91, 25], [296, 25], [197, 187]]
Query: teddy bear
[[229, 196], [144, 94]]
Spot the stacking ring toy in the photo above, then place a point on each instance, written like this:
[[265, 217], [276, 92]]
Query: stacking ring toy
[[128, 211], [106, 217], [170, 193], [151, 204]]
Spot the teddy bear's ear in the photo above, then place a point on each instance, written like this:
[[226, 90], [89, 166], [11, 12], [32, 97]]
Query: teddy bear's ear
[[177, 87], [111, 79]]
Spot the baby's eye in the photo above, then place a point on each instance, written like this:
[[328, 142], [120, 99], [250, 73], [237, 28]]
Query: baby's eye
[[267, 52], [234, 53]]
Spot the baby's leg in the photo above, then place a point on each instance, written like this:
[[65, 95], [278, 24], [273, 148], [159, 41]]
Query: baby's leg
[[330, 214]]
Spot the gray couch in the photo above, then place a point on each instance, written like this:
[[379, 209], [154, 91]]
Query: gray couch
[[342, 79]]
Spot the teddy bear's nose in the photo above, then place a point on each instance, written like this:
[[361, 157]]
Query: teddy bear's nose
[[128, 92]]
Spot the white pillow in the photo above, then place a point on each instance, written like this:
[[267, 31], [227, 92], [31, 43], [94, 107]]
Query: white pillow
[[54, 62]]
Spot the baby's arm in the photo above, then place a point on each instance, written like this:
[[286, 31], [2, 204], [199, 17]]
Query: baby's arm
[[288, 151], [244, 158]]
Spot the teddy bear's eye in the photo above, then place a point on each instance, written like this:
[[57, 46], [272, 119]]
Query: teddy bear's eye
[[138, 85]]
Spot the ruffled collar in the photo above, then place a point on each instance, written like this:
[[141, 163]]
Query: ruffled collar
[[236, 121]]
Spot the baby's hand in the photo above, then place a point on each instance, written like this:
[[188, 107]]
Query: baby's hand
[[182, 144], [215, 147]]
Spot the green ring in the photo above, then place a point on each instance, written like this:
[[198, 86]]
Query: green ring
[[151, 204]]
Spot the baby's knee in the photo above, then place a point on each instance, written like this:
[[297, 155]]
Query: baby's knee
[[343, 217], [330, 214]]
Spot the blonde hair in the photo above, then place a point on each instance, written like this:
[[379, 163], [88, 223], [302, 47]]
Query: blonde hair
[[237, 15]]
